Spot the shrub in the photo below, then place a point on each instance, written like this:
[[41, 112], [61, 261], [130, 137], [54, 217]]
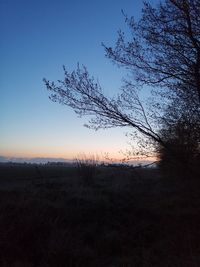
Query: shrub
[[181, 153]]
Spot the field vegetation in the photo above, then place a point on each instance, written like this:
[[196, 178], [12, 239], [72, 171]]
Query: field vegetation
[[51, 216]]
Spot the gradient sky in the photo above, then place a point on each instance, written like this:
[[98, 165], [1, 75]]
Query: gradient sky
[[37, 38]]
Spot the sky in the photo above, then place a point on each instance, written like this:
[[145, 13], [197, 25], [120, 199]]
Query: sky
[[38, 37]]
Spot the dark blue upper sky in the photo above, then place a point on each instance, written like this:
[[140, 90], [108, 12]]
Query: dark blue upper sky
[[37, 38]]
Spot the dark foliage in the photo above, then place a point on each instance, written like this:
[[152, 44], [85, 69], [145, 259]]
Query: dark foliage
[[181, 134], [183, 153]]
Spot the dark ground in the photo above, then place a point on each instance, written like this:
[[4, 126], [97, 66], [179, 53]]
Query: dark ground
[[50, 217]]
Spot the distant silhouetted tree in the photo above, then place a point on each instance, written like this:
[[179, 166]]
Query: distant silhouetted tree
[[163, 53]]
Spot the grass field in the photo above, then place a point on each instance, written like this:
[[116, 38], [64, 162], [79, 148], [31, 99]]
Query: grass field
[[125, 217]]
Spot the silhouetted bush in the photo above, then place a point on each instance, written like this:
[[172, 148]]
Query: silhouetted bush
[[181, 153]]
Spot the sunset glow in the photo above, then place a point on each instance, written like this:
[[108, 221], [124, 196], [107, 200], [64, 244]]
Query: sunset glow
[[38, 38]]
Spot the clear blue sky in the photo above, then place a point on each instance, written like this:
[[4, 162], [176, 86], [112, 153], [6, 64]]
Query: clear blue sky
[[37, 38]]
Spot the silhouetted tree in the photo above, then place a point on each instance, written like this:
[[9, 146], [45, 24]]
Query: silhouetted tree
[[163, 52], [165, 47]]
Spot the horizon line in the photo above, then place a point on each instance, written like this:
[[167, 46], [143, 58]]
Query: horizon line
[[39, 159]]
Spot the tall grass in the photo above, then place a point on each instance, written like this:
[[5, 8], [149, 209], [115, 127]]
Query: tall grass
[[87, 167]]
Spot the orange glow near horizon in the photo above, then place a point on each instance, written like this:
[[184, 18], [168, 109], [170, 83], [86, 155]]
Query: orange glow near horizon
[[55, 154], [105, 145], [102, 156], [66, 156]]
